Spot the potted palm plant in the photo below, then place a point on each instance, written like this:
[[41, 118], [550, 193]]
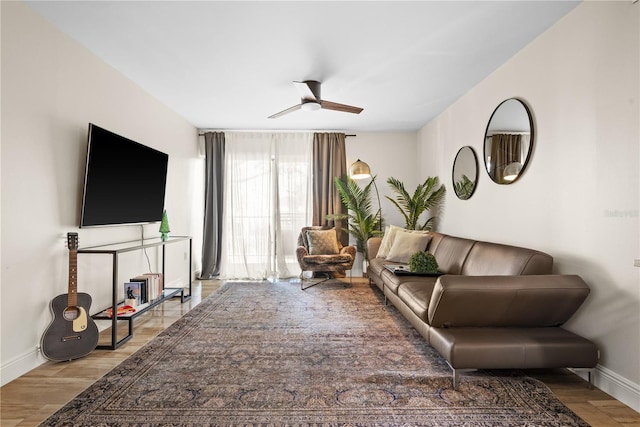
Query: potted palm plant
[[428, 196], [363, 223]]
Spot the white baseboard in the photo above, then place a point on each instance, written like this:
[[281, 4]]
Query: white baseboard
[[617, 386], [176, 284], [20, 366]]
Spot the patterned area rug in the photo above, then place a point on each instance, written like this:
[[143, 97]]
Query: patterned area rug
[[272, 355]]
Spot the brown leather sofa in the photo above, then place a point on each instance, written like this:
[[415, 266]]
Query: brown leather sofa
[[494, 306]]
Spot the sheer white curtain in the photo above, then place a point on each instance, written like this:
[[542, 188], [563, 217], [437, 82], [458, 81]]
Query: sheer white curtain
[[267, 199]]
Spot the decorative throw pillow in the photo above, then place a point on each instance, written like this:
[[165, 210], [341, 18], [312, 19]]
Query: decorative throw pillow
[[407, 243], [387, 240], [322, 242]]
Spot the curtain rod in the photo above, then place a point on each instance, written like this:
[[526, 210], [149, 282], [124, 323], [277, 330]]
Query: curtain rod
[[201, 132], [506, 132]]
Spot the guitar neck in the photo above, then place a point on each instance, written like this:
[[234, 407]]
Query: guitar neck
[[73, 278]]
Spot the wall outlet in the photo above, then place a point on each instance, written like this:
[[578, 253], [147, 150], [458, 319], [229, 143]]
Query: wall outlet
[[636, 262]]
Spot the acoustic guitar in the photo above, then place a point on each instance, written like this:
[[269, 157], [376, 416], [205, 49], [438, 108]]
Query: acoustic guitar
[[72, 333]]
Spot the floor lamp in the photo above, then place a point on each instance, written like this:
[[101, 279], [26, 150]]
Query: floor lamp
[[361, 170]]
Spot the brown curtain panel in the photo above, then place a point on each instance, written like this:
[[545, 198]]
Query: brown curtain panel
[[329, 161], [506, 148]]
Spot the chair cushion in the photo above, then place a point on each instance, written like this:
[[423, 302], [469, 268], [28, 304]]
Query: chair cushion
[[323, 242]]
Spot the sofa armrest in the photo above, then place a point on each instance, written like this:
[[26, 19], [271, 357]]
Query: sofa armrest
[[373, 245], [505, 301]]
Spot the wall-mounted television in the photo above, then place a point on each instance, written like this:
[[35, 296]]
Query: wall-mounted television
[[124, 181]]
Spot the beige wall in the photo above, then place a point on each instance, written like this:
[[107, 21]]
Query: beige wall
[[579, 198], [51, 89], [387, 154]]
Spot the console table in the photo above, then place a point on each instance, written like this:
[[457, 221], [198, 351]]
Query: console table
[[115, 249]]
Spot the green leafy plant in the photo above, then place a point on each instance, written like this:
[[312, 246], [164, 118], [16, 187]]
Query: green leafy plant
[[428, 196], [423, 262], [362, 222], [464, 187]]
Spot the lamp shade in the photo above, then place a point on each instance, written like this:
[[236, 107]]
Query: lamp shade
[[512, 171], [359, 170]]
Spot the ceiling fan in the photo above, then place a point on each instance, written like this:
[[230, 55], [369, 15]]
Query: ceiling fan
[[310, 100]]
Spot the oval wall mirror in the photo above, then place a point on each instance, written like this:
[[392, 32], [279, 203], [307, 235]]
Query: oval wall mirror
[[465, 173], [508, 141]]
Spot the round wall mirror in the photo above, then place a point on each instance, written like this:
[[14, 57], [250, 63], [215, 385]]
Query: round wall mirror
[[465, 173], [508, 141]]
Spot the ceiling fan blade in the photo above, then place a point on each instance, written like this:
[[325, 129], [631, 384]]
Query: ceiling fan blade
[[328, 105], [287, 111], [308, 90]]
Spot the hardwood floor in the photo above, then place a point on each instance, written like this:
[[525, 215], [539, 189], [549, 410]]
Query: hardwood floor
[[30, 399]]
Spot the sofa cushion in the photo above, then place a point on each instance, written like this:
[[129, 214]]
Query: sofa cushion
[[416, 295], [451, 253], [513, 348], [393, 281], [487, 259], [376, 266], [436, 238], [407, 243]]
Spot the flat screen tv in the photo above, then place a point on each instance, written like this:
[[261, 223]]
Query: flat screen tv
[[124, 181]]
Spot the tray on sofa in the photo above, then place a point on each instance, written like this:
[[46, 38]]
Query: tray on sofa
[[403, 270]]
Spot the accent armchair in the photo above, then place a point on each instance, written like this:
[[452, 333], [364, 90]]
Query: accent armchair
[[320, 251]]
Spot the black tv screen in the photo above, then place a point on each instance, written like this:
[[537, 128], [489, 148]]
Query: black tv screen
[[124, 181]]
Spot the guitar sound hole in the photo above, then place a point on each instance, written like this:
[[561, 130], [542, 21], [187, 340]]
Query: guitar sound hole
[[71, 313]]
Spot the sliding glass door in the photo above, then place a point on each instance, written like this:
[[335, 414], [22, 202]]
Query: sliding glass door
[[267, 201]]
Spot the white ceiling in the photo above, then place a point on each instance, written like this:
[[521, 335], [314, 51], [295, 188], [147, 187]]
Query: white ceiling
[[230, 64]]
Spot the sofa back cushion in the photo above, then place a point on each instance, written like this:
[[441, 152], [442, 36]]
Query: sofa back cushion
[[451, 253], [436, 238], [486, 259]]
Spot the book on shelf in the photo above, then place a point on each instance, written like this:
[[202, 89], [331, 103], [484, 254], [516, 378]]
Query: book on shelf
[[135, 290], [156, 284], [151, 284]]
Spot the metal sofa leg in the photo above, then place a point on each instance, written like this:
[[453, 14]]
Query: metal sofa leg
[[455, 379], [590, 372], [456, 375]]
